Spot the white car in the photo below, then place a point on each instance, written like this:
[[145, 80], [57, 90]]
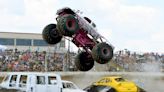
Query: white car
[[70, 87]]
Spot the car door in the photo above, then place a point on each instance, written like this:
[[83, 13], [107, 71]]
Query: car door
[[12, 82], [23, 82], [52, 85], [31, 83], [70, 87], [40, 84]]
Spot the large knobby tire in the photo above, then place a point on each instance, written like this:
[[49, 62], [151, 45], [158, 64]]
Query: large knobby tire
[[51, 35], [102, 53], [84, 61], [68, 24]]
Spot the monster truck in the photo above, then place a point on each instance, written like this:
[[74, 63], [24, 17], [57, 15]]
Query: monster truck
[[83, 34]]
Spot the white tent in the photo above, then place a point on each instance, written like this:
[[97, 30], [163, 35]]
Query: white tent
[[2, 47]]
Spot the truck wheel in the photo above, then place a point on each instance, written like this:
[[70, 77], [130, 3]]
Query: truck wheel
[[51, 35], [84, 61], [102, 53], [68, 25]]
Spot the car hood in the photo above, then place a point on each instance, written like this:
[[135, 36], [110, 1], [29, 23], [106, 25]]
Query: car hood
[[127, 84], [73, 90]]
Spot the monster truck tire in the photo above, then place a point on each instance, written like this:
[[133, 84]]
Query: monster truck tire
[[102, 53], [84, 61], [68, 25], [51, 35]]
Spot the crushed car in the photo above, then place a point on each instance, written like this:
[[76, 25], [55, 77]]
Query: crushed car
[[113, 84]]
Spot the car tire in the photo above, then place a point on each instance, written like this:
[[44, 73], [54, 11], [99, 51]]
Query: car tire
[[102, 53], [68, 24], [84, 61], [111, 90], [51, 35]]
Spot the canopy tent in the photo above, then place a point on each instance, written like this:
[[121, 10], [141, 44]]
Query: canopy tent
[[2, 47]]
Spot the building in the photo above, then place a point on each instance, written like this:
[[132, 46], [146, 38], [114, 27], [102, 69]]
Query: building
[[29, 41]]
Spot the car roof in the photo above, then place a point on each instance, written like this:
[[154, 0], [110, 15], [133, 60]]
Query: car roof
[[112, 77], [32, 73], [65, 81]]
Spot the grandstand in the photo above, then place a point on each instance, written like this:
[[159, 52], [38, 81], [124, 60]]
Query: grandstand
[[29, 41]]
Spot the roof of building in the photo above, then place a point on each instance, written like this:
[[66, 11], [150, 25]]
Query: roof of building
[[22, 33]]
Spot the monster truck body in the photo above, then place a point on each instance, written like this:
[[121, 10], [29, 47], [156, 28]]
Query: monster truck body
[[84, 34]]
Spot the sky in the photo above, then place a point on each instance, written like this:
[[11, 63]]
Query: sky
[[136, 25]]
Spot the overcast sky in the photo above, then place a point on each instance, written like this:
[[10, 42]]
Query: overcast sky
[[133, 24]]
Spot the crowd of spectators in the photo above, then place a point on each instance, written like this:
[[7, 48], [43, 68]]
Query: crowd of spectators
[[43, 61], [30, 61], [133, 61]]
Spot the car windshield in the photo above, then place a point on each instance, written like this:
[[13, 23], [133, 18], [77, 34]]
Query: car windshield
[[98, 88], [103, 89], [69, 85], [120, 80]]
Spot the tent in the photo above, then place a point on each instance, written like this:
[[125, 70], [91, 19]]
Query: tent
[[2, 47]]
